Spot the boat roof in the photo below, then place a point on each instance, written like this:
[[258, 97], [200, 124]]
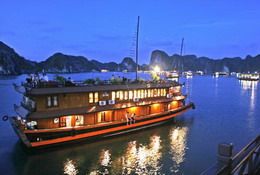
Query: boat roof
[[96, 88]]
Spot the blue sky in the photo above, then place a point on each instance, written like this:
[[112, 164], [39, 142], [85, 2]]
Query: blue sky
[[104, 29]]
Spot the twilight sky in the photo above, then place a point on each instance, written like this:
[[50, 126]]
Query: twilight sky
[[104, 29]]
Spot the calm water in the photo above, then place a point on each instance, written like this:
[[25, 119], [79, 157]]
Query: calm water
[[226, 111]]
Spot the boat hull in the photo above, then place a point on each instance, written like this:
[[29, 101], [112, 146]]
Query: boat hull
[[93, 134]]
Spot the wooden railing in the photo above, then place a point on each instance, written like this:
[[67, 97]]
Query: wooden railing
[[246, 161]]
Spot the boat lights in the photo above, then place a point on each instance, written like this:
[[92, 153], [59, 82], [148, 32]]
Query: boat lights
[[157, 69]]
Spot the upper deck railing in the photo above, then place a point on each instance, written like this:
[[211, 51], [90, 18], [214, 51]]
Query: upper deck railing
[[41, 87]]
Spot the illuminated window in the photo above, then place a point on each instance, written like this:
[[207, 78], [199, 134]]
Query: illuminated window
[[96, 97], [162, 92], [121, 97], [142, 93], [145, 93], [139, 93], [49, 101], [90, 98], [158, 92], [126, 95], [52, 101], [149, 93], [79, 120], [130, 94], [155, 92], [113, 95], [101, 117], [117, 94], [55, 100], [135, 94]]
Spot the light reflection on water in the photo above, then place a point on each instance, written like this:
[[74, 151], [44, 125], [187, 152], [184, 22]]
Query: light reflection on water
[[139, 158], [178, 138], [250, 87], [70, 167]]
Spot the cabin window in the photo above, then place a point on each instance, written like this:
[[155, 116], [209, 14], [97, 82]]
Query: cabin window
[[121, 97], [101, 117], [145, 93], [126, 95], [79, 120], [118, 94], [155, 92], [135, 94], [49, 101], [130, 94], [96, 97], [90, 98], [62, 121], [138, 93], [158, 92], [52, 101], [113, 95], [55, 101], [142, 93], [164, 92], [149, 93]]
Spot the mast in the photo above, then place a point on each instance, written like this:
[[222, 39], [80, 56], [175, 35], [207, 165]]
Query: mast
[[136, 49], [182, 42]]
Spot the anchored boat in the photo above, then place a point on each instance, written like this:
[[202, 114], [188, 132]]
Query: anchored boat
[[248, 76], [52, 113]]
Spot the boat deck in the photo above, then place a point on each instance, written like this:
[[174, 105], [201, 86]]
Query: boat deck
[[137, 119], [94, 131]]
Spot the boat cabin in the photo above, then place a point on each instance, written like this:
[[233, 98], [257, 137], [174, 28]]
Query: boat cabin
[[59, 107]]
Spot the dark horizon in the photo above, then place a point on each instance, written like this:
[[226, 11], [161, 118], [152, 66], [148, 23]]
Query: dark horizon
[[118, 61]]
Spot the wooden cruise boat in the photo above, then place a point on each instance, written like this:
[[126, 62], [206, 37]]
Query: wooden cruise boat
[[52, 113]]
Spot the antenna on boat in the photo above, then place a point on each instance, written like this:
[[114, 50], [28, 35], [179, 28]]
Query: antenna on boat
[[136, 49]]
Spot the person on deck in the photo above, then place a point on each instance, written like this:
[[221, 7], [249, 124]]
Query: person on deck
[[128, 118], [133, 117]]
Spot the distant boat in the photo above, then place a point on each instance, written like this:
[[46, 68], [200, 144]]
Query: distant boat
[[199, 72], [188, 74], [248, 77], [104, 70], [172, 75], [217, 74]]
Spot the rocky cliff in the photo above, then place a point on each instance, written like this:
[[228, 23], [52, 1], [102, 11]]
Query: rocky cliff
[[12, 64], [194, 63], [67, 64]]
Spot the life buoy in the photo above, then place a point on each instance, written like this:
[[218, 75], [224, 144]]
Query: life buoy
[[5, 118]]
